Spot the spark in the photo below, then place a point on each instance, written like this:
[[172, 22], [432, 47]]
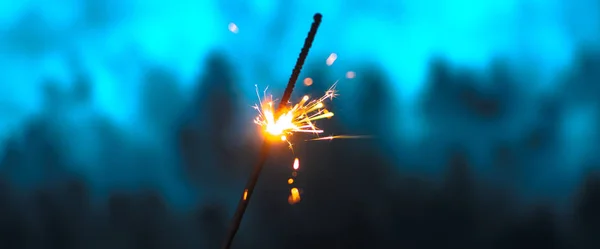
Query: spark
[[294, 196], [245, 194], [299, 117], [338, 137], [294, 118]]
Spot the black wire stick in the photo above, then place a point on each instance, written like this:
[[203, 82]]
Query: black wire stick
[[264, 152]]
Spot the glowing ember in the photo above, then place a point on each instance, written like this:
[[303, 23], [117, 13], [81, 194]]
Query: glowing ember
[[245, 194], [290, 181], [308, 81], [299, 118], [294, 196], [296, 164]]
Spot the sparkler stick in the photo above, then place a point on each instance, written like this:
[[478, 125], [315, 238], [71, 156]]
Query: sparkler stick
[[264, 152]]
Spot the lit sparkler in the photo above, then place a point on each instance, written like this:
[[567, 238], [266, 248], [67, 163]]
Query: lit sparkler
[[277, 127]]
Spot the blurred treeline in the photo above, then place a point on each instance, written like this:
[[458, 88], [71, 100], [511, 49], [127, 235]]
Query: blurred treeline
[[500, 178]]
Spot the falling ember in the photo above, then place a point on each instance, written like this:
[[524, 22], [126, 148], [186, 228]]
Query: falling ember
[[296, 164], [245, 194], [308, 81], [233, 28], [331, 59], [294, 196], [299, 117], [350, 75], [290, 181]]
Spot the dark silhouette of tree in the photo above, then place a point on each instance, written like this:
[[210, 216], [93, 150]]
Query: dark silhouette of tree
[[120, 211], [439, 88], [505, 159], [12, 160], [212, 221], [208, 130], [52, 218], [539, 147], [462, 97], [504, 93], [375, 102], [587, 216], [150, 222], [162, 100], [78, 209], [38, 156], [15, 232], [459, 203], [355, 193], [537, 230], [579, 84]]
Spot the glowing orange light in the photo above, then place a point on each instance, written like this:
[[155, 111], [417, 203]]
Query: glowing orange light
[[245, 194], [294, 196], [297, 118], [308, 81]]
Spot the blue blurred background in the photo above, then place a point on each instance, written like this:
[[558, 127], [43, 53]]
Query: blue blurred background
[[128, 124]]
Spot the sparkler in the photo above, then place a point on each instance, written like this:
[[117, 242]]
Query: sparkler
[[281, 128]]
